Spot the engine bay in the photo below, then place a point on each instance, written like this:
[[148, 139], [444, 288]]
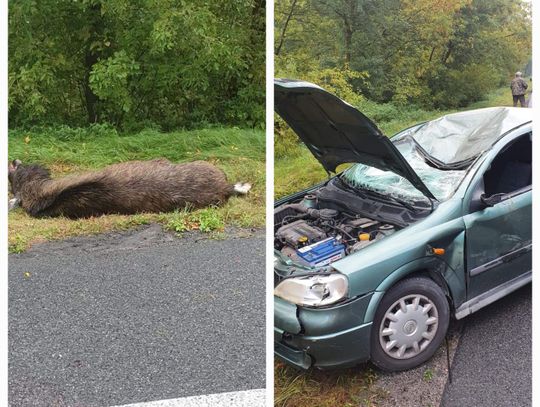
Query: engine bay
[[316, 232]]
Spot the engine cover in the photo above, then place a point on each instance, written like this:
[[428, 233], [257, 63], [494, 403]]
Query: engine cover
[[299, 233]]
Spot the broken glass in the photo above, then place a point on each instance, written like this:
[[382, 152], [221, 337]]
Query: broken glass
[[441, 183], [454, 138]]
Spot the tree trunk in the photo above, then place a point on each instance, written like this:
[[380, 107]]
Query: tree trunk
[[91, 57], [350, 18], [348, 33], [89, 96], [431, 54], [448, 52], [282, 36]]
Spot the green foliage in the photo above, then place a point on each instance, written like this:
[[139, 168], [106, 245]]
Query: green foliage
[[428, 375], [178, 221], [18, 245], [285, 140], [109, 80], [460, 87], [209, 220], [164, 64], [335, 80], [428, 53], [206, 220]]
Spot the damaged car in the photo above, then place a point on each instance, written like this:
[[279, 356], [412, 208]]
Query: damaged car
[[431, 224]]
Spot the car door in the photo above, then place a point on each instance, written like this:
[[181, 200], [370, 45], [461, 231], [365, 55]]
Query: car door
[[498, 226]]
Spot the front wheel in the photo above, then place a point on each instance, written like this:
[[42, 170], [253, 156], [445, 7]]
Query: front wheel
[[410, 324]]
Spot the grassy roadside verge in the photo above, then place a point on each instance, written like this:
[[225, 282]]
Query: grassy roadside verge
[[345, 388], [296, 169], [239, 152]]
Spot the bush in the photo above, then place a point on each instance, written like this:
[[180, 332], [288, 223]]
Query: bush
[[286, 142], [458, 88], [380, 112], [176, 64]]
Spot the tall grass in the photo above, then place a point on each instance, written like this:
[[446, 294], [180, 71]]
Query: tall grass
[[97, 146], [344, 388]]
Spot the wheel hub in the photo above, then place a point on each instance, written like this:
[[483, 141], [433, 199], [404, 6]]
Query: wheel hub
[[408, 326]]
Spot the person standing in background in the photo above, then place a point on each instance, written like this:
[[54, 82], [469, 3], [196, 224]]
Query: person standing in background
[[519, 88], [529, 99]]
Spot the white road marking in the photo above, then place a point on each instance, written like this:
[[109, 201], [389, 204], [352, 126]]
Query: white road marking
[[247, 398]]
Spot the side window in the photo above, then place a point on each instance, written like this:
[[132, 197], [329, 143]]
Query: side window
[[511, 170]]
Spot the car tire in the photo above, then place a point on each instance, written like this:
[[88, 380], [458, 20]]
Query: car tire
[[409, 325]]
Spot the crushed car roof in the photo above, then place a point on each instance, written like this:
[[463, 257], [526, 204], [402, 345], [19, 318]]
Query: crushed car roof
[[455, 139]]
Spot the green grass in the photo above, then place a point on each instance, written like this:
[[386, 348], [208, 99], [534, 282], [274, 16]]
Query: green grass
[[97, 146], [428, 375], [239, 152], [205, 220]]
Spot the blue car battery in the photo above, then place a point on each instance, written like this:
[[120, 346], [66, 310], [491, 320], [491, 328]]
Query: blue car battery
[[322, 253]]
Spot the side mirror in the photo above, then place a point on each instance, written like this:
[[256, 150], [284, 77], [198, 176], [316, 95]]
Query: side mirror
[[492, 200]]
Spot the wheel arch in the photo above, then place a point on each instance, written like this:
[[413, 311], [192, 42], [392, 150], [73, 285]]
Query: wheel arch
[[430, 267]]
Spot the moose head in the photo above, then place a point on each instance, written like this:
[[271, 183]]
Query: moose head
[[12, 167]]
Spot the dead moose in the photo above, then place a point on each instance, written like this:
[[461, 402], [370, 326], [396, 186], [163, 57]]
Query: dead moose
[[126, 188]]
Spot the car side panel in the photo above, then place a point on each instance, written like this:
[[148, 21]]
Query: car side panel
[[493, 232], [452, 281], [498, 243]]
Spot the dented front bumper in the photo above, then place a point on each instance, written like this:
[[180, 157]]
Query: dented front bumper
[[325, 338]]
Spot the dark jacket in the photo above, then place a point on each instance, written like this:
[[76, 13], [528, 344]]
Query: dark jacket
[[518, 86]]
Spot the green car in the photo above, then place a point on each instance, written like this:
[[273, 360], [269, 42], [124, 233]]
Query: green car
[[431, 224]]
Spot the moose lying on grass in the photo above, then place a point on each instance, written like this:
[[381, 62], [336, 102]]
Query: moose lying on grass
[[126, 188]]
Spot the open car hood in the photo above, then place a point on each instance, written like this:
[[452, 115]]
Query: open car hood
[[336, 133]]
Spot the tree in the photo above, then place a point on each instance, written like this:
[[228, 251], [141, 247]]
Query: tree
[[135, 63], [435, 53]]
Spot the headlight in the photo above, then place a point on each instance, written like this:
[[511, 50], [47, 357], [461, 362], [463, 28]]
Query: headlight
[[314, 291]]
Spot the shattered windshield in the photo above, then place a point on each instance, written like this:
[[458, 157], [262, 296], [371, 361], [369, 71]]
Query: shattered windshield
[[441, 183]]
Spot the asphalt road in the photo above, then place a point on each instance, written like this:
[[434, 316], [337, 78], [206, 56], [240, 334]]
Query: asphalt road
[[133, 317], [492, 364]]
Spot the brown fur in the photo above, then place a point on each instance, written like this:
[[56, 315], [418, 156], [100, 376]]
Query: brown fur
[[126, 188]]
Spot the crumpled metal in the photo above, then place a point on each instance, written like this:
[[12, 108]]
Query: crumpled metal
[[463, 136]]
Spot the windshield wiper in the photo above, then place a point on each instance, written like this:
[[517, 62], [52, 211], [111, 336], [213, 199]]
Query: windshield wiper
[[364, 192], [391, 198], [351, 187]]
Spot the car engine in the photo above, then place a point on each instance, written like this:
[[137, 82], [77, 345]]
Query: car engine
[[313, 235]]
